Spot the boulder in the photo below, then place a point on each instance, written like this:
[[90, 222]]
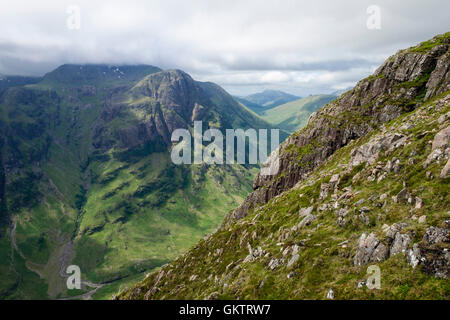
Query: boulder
[[330, 294], [434, 235], [439, 147], [445, 170], [414, 256], [441, 139], [305, 211], [306, 220], [275, 263], [433, 252], [402, 196], [419, 203], [342, 213], [400, 244], [369, 152], [293, 259], [370, 249], [392, 230]]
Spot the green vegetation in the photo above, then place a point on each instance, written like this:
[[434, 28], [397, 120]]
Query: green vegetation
[[428, 45], [293, 116]]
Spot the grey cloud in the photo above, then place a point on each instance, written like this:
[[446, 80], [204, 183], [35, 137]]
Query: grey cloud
[[301, 46], [267, 64]]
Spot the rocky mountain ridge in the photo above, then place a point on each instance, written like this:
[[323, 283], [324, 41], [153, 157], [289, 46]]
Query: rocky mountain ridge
[[396, 87], [365, 183]]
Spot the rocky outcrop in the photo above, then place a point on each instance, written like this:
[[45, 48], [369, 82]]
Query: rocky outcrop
[[161, 103], [370, 249], [433, 252], [400, 243], [440, 148], [395, 87], [369, 152]]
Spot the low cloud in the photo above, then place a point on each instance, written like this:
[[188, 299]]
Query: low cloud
[[246, 46]]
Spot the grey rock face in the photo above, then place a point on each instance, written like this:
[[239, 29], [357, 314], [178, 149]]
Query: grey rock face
[[307, 220], [330, 294], [392, 230], [305, 211], [434, 235], [438, 82], [400, 244], [369, 152], [293, 259], [275, 263], [414, 256], [441, 138], [403, 195], [370, 249], [440, 148], [253, 254], [445, 170], [432, 252], [342, 213]]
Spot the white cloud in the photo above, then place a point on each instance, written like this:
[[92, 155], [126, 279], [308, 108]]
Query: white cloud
[[300, 46]]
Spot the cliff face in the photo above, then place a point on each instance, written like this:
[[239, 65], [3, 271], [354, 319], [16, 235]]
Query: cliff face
[[402, 83], [163, 102], [364, 184]]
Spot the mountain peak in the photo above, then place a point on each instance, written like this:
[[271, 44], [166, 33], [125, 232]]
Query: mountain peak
[[79, 74]]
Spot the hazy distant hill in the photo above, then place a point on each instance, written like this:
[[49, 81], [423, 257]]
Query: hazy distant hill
[[267, 99], [294, 115], [14, 81]]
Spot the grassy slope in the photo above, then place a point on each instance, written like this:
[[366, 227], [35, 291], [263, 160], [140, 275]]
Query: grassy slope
[[294, 115], [138, 232], [325, 259]]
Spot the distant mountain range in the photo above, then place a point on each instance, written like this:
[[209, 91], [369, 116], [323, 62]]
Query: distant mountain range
[[259, 102], [294, 115], [341, 91], [283, 110]]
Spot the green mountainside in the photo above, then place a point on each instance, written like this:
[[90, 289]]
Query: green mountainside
[[294, 115], [365, 183], [86, 176]]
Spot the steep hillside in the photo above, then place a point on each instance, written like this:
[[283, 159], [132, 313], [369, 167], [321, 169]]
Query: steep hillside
[[261, 101], [294, 115], [364, 183], [86, 176]]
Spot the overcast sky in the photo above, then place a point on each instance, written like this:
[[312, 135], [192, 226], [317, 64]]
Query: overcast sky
[[302, 47]]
